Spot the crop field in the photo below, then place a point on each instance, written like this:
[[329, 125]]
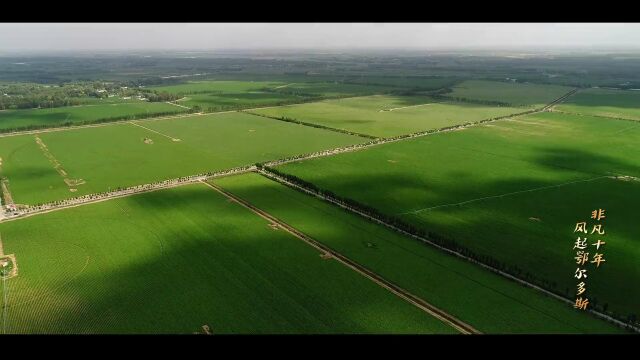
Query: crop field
[[514, 94], [20, 119], [221, 95], [386, 116], [488, 302], [604, 102], [505, 189], [126, 154], [220, 102], [176, 260]]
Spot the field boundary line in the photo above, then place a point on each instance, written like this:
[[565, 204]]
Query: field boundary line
[[108, 123], [296, 121], [178, 105], [425, 240], [154, 131], [503, 195], [396, 290], [594, 115], [406, 107]]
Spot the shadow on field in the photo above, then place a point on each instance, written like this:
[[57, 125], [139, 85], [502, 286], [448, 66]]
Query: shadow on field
[[224, 268], [519, 220], [585, 161]]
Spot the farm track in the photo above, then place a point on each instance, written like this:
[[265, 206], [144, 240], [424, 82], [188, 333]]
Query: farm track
[[178, 105], [405, 107], [396, 290], [154, 131], [359, 212]]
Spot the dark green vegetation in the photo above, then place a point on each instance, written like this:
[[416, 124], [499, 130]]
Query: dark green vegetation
[[572, 69], [623, 104], [175, 260], [488, 302], [507, 93], [510, 194], [127, 154], [29, 119]]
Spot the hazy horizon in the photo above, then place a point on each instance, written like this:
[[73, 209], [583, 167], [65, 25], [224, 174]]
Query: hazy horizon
[[106, 37]]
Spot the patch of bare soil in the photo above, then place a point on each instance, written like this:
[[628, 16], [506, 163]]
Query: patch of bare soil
[[56, 165], [9, 261]]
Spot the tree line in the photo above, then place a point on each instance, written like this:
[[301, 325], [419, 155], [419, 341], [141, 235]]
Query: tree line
[[448, 243]]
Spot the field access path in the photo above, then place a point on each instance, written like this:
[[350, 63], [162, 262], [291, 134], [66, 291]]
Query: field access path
[[328, 253]]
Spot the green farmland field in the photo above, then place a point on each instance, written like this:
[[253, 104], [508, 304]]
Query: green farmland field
[[219, 87], [386, 116], [512, 190], [19, 119], [174, 260], [603, 102], [221, 95], [123, 154], [488, 302], [515, 94]]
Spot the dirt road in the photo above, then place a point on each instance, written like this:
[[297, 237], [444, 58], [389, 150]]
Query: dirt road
[[439, 314]]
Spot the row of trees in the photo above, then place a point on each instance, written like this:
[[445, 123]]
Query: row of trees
[[295, 121], [443, 241], [92, 122]]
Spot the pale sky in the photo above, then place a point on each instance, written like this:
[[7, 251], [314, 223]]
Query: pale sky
[[208, 36]]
